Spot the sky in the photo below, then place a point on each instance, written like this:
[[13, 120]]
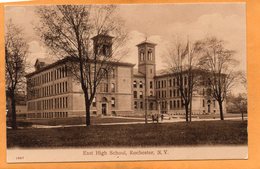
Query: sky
[[159, 23]]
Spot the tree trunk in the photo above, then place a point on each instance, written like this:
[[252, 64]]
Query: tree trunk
[[242, 115], [187, 112], [221, 111], [13, 102], [145, 113], [190, 110], [87, 105]]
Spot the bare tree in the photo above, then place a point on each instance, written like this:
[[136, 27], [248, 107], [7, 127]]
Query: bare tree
[[243, 79], [182, 62], [68, 30], [219, 62], [16, 50], [238, 103]]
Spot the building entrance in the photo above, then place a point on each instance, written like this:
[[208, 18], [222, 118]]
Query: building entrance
[[104, 109]]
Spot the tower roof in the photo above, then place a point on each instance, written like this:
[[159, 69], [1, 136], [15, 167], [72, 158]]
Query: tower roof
[[146, 42], [102, 36]]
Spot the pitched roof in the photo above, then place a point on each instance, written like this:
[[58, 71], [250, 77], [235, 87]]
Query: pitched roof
[[147, 42]]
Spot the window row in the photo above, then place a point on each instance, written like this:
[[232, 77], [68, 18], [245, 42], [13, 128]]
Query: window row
[[48, 104], [140, 84], [176, 104], [141, 105], [141, 94], [103, 87], [48, 115], [135, 84], [111, 73], [171, 93], [171, 82], [50, 90], [58, 73]]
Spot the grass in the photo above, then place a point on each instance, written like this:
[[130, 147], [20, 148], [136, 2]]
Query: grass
[[217, 116], [133, 135], [74, 121]]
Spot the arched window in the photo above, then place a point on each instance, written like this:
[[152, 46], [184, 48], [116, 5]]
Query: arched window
[[103, 73], [150, 57], [141, 94], [134, 84], [113, 73], [104, 87], [141, 84], [141, 56], [113, 87], [151, 93]]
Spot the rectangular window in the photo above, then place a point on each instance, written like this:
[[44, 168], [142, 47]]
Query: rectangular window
[[60, 88], [63, 87], [135, 94], [141, 105], [63, 101], [135, 105], [66, 102], [66, 86], [141, 94], [66, 70], [151, 84], [113, 102]]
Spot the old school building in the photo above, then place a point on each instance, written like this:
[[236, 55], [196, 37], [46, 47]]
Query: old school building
[[53, 93]]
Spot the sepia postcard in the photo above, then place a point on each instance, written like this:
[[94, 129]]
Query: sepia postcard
[[125, 82]]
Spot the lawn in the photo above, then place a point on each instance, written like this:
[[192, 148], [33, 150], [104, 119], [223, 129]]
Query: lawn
[[75, 121], [133, 135], [217, 116]]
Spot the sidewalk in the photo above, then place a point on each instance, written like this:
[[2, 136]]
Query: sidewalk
[[139, 122]]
